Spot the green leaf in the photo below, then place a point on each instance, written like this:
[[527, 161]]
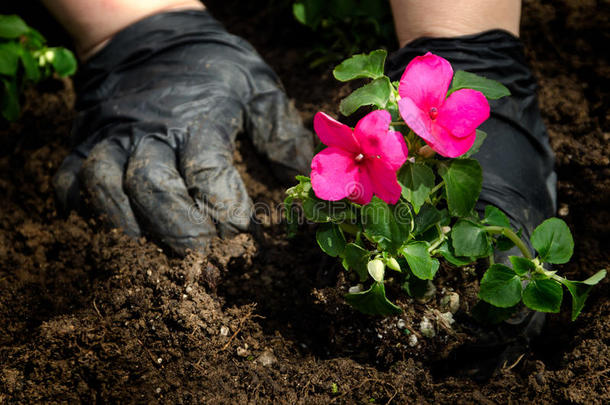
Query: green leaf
[[386, 225], [490, 88], [446, 251], [35, 40], [580, 291], [308, 12], [298, 10], [30, 66], [372, 301], [362, 66], [553, 241], [478, 142], [521, 265], [376, 93], [321, 211], [463, 180], [416, 180], [596, 278], [543, 295], [470, 239], [500, 286], [9, 58], [9, 100], [356, 258], [11, 26], [63, 61], [428, 216], [495, 217], [331, 239], [422, 265]]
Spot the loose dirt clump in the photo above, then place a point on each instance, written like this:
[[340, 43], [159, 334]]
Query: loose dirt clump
[[86, 314]]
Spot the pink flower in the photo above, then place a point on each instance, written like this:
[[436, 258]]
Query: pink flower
[[358, 163], [446, 124]]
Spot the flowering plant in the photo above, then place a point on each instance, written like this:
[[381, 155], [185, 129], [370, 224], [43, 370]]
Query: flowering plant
[[384, 200]]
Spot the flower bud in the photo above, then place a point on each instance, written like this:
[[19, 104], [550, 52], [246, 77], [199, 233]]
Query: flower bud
[[393, 264], [376, 269], [446, 229], [355, 289]]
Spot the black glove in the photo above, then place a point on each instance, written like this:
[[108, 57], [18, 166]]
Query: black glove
[[158, 112], [517, 163]]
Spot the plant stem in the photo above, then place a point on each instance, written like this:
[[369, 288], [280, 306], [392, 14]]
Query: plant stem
[[500, 230], [437, 187], [439, 241]]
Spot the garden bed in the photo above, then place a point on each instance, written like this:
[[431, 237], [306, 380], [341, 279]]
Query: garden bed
[[87, 314]]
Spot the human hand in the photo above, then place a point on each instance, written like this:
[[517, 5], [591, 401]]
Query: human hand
[[159, 109]]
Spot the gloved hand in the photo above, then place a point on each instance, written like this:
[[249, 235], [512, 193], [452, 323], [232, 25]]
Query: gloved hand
[[517, 163], [158, 112]]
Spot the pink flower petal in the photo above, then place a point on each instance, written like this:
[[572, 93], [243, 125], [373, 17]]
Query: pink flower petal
[[463, 112], [333, 133], [362, 190], [445, 144], [376, 140], [426, 81], [418, 120], [385, 185], [333, 174]]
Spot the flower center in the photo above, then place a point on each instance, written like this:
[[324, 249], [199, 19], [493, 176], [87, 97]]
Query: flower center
[[433, 113], [359, 158]]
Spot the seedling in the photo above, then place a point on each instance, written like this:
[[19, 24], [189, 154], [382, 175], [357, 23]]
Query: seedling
[[390, 208], [25, 58]]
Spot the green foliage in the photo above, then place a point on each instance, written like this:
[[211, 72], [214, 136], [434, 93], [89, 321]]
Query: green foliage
[[341, 28], [521, 265], [362, 66], [500, 286], [388, 226], [356, 258], [492, 89], [433, 219], [417, 180], [331, 239], [470, 239], [422, 265], [376, 93], [373, 301], [25, 58], [580, 290], [543, 295], [478, 142], [463, 180], [553, 241]]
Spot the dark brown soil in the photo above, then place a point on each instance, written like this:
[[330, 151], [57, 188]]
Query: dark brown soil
[[88, 315]]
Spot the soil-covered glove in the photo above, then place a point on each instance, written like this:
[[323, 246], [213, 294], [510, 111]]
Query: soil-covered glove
[[159, 108], [516, 157]]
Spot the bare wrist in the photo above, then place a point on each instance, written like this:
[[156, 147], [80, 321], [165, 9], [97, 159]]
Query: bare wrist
[[450, 18], [93, 23]]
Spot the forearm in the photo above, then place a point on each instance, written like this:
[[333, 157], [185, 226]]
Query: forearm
[[449, 18], [92, 23]]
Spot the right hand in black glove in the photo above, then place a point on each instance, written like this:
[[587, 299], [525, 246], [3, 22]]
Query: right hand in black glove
[[159, 109], [517, 163]]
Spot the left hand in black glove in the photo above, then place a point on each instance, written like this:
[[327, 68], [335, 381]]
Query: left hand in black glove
[[159, 109]]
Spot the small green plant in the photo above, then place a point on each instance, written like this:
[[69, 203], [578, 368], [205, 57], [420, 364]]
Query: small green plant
[[390, 209], [345, 27], [25, 58]]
